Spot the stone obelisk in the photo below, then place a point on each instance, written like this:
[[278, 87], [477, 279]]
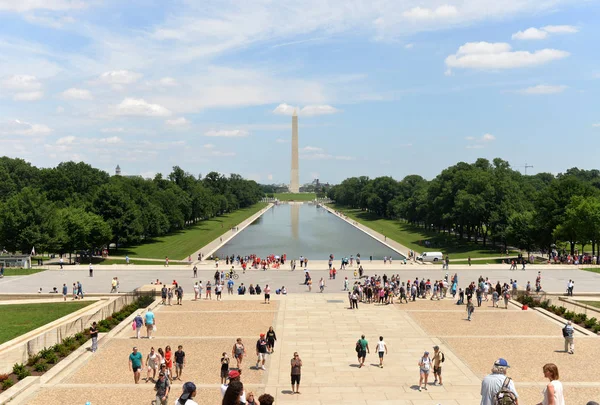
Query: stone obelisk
[[294, 180]]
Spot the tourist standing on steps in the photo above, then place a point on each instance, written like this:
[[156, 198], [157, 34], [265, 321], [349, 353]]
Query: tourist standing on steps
[[224, 367], [438, 358], [65, 292], [470, 309], [553, 393], [568, 333], [162, 388], [150, 323], [424, 367], [493, 383], [218, 291], [362, 348], [238, 352], [381, 350], [296, 371], [94, 336], [179, 362], [208, 291], [261, 352], [136, 363], [271, 338], [267, 291]]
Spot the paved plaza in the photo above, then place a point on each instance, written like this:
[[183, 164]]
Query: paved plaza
[[322, 329]]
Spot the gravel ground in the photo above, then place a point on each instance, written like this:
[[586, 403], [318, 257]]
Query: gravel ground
[[449, 304], [116, 396], [110, 365], [485, 323], [527, 356], [573, 395], [224, 305], [196, 324]]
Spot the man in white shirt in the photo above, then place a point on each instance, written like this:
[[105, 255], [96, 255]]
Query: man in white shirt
[[381, 349], [492, 383]]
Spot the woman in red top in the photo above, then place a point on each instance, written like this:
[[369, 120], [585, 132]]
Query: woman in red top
[[169, 362]]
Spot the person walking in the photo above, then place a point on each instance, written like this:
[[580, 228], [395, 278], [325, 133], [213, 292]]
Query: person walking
[[553, 393], [321, 285], [568, 333], [138, 322], [296, 365], [189, 392], [498, 384], [91, 269], [150, 323], [424, 368], [354, 300], [195, 271], [152, 364], [271, 338], [438, 358], [261, 352], [196, 291], [162, 388], [208, 290], [362, 348], [470, 309], [381, 350], [238, 352], [179, 362], [94, 336], [169, 362], [65, 292], [136, 362], [267, 292]]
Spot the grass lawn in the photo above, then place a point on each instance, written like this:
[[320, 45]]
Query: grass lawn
[[180, 245], [295, 196], [592, 303], [132, 261], [413, 237], [592, 269], [21, 272], [18, 319]]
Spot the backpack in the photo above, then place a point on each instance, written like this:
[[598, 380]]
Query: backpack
[[443, 357], [505, 396], [358, 346], [565, 332]]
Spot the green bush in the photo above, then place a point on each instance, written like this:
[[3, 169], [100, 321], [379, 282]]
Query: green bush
[[70, 343], [32, 360], [6, 384], [18, 368], [45, 352], [590, 323], [545, 304], [569, 315], [579, 318], [104, 324], [24, 373], [52, 358], [40, 366], [80, 337], [63, 351], [596, 328]]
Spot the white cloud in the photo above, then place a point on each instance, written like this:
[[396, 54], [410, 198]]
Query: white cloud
[[139, 107], [530, 33], [280, 140], [120, 77], [542, 33], [409, 46], [312, 149], [561, 29], [479, 142], [111, 130], [597, 125], [76, 94], [543, 89], [66, 140], [17, 127], [51, 5], [111, 140], [441, 12], [488, 56], [488, 138], [21, 83], [223, 133], [208, 146], [269, 177], [29, 96], [180, 122], [168, 81], [307, 111]]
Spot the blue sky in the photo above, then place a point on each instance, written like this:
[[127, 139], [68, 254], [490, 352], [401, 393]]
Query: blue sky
[[382, 87]]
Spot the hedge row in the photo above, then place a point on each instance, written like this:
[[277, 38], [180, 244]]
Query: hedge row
[[577, 318]]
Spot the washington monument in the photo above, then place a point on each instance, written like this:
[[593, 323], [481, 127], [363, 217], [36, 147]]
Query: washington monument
[[294, 179]]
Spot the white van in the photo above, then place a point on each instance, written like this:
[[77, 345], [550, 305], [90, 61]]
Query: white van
[[431, 257]]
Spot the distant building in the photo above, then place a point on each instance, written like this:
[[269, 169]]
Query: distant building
[[118, 171]]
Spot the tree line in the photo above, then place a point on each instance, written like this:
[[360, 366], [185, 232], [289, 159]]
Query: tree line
[[75, 207], [488, 202]]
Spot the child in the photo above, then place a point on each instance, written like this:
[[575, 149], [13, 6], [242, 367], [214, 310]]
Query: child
[[224, 368]]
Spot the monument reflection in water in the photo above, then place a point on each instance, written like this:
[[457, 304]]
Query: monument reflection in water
[[304, 230]]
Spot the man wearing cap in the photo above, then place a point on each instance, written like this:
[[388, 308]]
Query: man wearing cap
[[136, 362], [189, 391], [437, 358], [261, 351], [234, 375], [492, 383], [162, 388]]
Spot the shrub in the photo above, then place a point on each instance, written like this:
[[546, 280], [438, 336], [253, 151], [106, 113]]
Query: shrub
[[552, 308], [18, 368], [63, 351], [579, 318], [32, 360], [561, 310], [52, 358], [45, 352], [545, 304], [6, 384], [24, 373], [3, 377], [41, 366], [569, 315], [70, 343], [590, 323], [80, 337], [596, 328], [104, 324]]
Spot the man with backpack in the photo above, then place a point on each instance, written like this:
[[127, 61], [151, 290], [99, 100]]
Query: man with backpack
[[362, 348], [568, 333], [497, 388], [438, 358]]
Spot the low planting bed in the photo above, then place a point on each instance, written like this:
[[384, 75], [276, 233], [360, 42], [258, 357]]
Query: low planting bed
[[580, 319], [50, 356]]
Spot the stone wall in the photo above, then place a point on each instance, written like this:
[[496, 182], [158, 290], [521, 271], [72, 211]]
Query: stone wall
[[21, 348]]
